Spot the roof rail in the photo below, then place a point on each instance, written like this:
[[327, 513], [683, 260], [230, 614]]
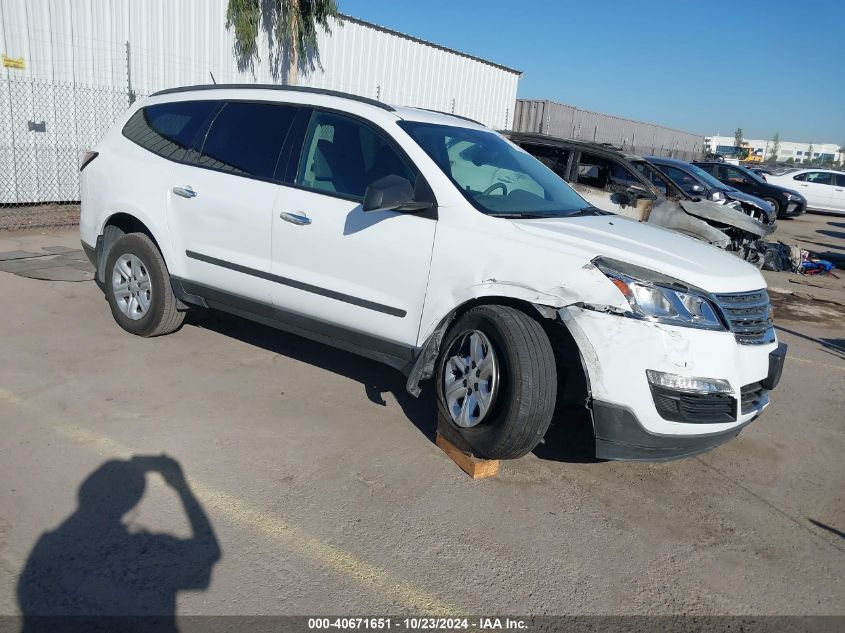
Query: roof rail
[[457, 116], [319, 91]]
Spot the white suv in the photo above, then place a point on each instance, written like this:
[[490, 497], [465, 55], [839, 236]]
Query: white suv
[[433, 244]]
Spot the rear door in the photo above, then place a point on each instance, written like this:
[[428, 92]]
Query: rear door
[[356, 276], [220, 208], [837, 202], [817, 187]]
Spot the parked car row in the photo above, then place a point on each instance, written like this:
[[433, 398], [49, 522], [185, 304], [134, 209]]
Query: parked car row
[[632, 186], [697, 182], [786, 202]]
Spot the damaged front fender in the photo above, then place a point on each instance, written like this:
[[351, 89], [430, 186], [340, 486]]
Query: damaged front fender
[[591, 283]]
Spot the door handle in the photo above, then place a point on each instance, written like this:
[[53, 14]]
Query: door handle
[[295, 218], [184, 192], [803, 184]]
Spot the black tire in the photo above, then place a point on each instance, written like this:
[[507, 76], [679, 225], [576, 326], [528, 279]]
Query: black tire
[[162, 316], [776, 204], [524, 401]]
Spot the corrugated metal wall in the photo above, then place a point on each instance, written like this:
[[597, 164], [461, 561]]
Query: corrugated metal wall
[[86, 60], [179, 42], [565, 121]]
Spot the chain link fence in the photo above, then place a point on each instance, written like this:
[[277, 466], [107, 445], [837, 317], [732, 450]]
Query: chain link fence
[[45, 127]]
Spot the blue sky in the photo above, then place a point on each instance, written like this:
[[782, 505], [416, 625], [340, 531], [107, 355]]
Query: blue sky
[[706, 66]]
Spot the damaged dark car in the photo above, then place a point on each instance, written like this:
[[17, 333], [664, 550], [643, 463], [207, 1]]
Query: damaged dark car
[[629, 185], [700, 184]]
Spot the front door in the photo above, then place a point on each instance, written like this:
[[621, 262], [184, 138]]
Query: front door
[[354, 275], [597, 178], [737, 179]]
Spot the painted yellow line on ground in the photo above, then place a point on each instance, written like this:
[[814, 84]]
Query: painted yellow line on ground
[[816, 363], [278, 530], [8, 397]]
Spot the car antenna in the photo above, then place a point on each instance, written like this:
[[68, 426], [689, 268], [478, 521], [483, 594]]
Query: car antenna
[[213, 80]]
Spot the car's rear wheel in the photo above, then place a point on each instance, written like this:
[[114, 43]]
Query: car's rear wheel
[[497, 381], [138, 289]]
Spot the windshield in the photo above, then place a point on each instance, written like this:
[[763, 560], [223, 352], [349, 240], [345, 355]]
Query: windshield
[[708, 178], [495, 176]]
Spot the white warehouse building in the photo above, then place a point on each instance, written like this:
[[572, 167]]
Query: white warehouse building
[[71, 68], [798, 152]]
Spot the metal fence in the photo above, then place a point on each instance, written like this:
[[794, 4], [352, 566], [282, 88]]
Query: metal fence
[[565, 121], [45, 127]]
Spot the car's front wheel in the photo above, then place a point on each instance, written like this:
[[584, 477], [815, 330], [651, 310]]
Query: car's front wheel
[[497, 381], [138, 289], [777, 206]]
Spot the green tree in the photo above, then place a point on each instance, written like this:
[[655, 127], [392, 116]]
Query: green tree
[[809, 160], [790, 161], [774, 147], [738, 137], [291, 27]]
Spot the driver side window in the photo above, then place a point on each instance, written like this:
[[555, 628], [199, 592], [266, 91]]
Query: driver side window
[[735, 177], [341, 155]]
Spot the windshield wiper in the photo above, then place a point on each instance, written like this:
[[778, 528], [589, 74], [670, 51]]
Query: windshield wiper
[[538, 215], [588, 211], [523, 215]]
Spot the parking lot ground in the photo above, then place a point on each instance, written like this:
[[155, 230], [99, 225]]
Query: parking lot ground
[[326, 494]]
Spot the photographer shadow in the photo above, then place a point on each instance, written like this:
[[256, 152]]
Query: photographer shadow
[[92, 573]]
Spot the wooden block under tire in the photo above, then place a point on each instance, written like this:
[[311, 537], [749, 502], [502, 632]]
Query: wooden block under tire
[[473, 466]]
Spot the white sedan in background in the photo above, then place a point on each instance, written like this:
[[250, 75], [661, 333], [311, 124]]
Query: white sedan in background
[[823, 188]]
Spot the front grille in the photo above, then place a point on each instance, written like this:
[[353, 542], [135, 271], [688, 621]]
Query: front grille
[[748, 316], [753, 397], [697, 408]]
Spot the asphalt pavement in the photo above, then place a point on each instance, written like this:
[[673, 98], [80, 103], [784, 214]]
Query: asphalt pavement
[[312, 484]]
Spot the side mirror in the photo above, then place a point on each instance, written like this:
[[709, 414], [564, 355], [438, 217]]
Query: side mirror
[[638, 191], [697, 189], [622, 199], [392, 193]]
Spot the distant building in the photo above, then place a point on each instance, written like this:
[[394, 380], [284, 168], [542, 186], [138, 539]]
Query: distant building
[[799, 152]]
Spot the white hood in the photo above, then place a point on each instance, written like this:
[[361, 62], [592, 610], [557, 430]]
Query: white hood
[[684, 258]]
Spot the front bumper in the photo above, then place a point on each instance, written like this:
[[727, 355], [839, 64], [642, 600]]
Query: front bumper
[[617, 351], [620, 435], [794, 209]]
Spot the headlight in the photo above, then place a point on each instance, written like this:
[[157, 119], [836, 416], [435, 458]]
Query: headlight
[[717, 195], [794, 197], [656, 297]]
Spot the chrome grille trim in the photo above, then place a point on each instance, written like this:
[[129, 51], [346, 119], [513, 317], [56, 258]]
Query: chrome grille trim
[[748, 316]]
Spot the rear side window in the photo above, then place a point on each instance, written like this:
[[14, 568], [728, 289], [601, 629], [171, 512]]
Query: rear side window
[[246, 138], [840, 180], [555, 158], [818, 177], [168, 129], [341, 155]]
